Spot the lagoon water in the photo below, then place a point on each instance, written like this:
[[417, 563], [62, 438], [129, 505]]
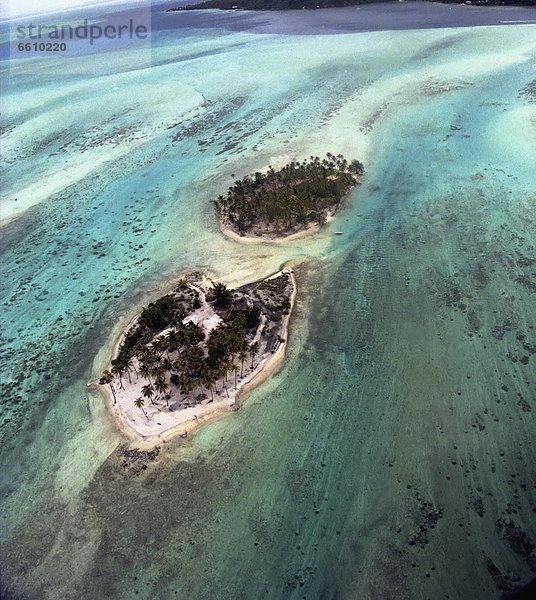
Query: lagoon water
[[393, 456]]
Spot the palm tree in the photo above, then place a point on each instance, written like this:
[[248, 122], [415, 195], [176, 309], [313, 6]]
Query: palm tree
[[134, 366], [235, 369], [253, 349], [158, 370], [242, 355], [161, 386], [186, 384], [167, 365], [160, 346], [227, 366], [107, 378], [129, 364], [222, 295], [174, 340], [118, 369], [148, 391], [223, 369], [145, 371], [140, 403], [209, 378], [192, 334]]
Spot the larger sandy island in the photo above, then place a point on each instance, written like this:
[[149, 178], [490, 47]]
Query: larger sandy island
[[163, 424]]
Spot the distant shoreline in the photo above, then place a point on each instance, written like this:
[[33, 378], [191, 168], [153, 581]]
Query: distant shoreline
[[312, 5], [410, 15]]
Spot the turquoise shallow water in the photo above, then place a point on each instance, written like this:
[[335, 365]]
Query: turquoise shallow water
[[393, 455]]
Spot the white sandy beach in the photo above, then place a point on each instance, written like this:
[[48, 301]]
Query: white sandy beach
[[229, 232], [232, 234]]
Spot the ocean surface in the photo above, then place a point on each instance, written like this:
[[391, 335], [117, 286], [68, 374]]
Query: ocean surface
[[393, 456]]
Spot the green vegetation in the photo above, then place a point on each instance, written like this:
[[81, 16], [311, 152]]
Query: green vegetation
[[314, 4], [222, 296], [299, 194], [174, 355]]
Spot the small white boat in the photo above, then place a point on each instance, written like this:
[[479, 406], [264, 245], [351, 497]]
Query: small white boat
[[338, 233]]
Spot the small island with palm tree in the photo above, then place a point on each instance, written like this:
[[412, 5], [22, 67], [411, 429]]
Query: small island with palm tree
[[291, 202], [187, 356]]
